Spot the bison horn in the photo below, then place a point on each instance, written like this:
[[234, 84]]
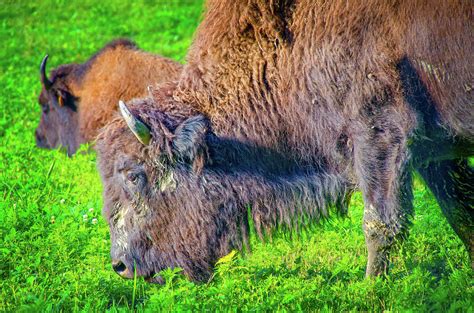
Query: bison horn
[[138, 128], [44, 79]]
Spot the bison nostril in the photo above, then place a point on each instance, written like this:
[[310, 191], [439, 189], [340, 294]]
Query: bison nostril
[[118, 267], [40, 140]]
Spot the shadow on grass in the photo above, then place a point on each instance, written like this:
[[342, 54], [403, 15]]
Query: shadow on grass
[[328, 276]]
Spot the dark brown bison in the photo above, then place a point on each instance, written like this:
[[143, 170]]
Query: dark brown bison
[[287, 107], [78, 99]]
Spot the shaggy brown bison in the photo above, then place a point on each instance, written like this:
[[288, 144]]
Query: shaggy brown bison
[[286, 107], [79, 99]]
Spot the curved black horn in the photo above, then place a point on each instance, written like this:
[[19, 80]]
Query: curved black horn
[[44, 78]]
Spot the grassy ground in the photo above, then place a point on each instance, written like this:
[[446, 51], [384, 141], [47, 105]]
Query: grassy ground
[[54, 254]]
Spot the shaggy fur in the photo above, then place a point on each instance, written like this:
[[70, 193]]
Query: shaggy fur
[[289, 109], [90, 91]]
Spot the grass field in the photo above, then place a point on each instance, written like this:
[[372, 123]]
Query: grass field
[[54, 244]]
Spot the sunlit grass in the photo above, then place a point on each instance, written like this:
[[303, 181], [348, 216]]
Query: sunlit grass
[[54, 244]]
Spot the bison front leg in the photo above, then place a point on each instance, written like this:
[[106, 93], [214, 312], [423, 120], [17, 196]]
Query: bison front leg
[[386, 217], [452, 183], [381, 163]]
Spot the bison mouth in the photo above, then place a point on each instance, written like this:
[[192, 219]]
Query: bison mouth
[[155, 279]]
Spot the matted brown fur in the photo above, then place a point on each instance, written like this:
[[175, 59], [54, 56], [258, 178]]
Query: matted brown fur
[[91, 91], [335, 95]]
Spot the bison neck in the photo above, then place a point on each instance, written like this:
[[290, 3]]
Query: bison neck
[[230, 203]]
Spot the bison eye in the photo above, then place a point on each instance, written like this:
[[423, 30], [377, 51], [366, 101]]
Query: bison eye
[[45, 108], [133, 178]]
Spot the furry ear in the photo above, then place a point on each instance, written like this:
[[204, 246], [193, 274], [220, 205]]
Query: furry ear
[[189, 142], [60, 101]]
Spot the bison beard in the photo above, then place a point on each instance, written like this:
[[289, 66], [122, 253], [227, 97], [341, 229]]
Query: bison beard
[[307, 101]]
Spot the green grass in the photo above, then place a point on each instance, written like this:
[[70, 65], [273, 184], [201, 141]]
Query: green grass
[[53, 257]]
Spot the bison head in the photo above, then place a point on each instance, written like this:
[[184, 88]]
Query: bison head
[[157, 208], [168, 205], [58, 124]]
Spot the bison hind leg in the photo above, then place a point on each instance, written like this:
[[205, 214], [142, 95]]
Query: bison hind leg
[[452, 183]]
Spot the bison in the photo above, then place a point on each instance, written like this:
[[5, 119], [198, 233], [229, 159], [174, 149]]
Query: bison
[[78, 99], [281, 117]]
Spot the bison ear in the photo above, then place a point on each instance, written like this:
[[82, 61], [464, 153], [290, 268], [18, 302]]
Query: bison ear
[[61, 97], [189, 142]]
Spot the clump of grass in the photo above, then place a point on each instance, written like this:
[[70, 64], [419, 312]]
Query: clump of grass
[[54, 250]]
